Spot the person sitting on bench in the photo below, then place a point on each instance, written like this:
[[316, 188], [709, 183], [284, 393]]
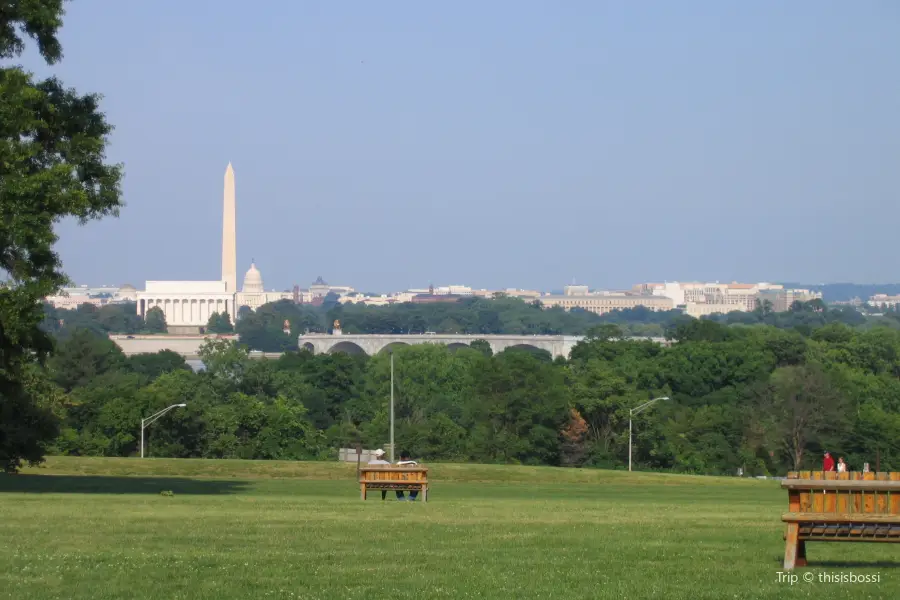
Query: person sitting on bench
[[405, 461], [379, 460]]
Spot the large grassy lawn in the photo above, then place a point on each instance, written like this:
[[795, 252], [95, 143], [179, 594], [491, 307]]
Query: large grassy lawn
[[99, 528]]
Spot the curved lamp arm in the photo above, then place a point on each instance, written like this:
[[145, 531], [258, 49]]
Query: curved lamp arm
[[646, 404], [155, 416]]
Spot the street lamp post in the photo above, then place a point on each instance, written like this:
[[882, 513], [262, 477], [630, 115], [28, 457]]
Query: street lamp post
[[152, 419], [633, 412], [392, 408]]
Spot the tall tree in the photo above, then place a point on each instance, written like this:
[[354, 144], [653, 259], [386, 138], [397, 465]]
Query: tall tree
[[219, 323], [52, 144], [83, 356], [800, 406], [155, 321]]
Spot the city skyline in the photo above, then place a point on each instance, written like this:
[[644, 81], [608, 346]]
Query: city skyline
[[548, 290], [612, 144]]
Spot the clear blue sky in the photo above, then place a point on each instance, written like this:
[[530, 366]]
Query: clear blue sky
[[504, 143]]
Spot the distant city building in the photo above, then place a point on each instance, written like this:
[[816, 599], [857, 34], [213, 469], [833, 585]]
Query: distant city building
[[435, 298], [576, 290], [407, 296], [523, 294], [357, 298], [508, 292], [700, 309], [73, 297], [705, 298], [127, 293], [734, 295], [85, 290], [782, 300], [884, 301], [447, 293], [606, 302], [320, 289], [453, 290], [855, 302], [73, 302]]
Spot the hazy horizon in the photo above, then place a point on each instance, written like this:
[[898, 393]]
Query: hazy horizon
[[510, 144]]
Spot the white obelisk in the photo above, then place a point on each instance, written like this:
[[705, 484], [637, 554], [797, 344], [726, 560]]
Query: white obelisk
[[229, 241]]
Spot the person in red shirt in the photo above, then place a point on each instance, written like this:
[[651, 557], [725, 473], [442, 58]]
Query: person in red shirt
[[828, 463]]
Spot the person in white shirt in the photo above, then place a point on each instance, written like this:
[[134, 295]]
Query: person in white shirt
[[379, 460], [841, 466]]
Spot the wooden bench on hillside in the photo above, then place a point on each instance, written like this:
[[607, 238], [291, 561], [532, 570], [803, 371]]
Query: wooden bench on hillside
[[839, 507], [387, 477]]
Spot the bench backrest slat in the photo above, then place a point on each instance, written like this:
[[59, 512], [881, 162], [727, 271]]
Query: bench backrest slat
[[818, 503], [856, 500], [843, 498], [868, 497], [895, 496], [829, 501], [882, 501]]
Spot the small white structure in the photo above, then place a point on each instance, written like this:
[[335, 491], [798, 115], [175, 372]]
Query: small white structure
[[349, 455]]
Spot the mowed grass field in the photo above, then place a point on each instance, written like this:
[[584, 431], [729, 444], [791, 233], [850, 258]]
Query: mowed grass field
[[99, 528]]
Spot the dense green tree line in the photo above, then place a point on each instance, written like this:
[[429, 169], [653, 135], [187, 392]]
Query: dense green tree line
[[758, 398]]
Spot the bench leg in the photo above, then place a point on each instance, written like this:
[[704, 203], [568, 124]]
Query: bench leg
[[424, 493], [790, 546], [362, 491], [801, 553]]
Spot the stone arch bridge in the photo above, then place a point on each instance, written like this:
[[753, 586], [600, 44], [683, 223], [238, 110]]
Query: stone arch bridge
[[556, 345], [189, 346]]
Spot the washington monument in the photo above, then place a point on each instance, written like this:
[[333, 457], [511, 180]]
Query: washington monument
[[229, 243]]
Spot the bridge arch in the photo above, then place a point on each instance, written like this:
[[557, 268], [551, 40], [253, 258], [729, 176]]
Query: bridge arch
[[308, 346], [525, 347], [534, 350], [393, 346], [347, 348], [454, 346]]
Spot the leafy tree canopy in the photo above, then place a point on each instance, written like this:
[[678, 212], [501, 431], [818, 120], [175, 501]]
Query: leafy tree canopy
[[52, 151]]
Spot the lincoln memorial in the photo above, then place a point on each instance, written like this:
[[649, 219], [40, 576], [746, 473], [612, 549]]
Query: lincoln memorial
[[187, 303]]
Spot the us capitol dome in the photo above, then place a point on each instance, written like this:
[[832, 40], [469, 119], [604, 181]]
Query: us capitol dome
[[253, 281], [253, 294]]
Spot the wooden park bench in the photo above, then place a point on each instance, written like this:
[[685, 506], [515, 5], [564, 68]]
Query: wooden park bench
[[389, 477], [839, 507]]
